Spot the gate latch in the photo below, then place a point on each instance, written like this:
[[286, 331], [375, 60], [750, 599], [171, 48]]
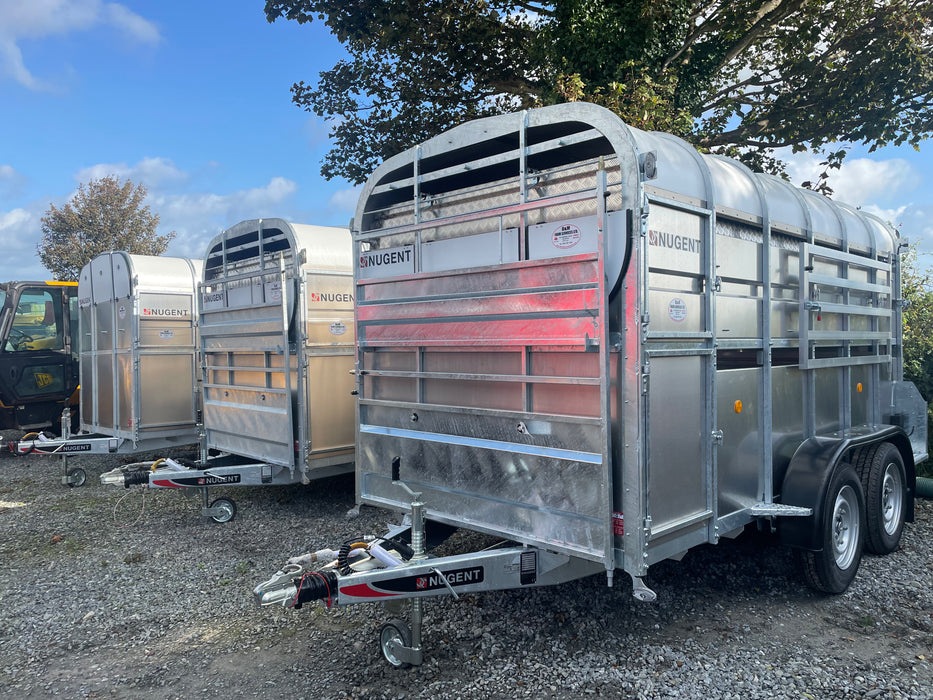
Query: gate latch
[[717, 437]]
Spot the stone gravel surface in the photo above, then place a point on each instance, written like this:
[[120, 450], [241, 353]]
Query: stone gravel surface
[[109, 593]]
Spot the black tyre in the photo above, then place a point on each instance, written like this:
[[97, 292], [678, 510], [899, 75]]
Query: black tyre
[[832, 569], [884, 481], [227, 508], [392, 635], [76, 477]]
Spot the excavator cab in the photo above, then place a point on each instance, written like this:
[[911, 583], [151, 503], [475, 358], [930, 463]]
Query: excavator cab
[[38, 352]]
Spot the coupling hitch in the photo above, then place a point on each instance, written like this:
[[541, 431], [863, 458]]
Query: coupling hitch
[[125, 477]]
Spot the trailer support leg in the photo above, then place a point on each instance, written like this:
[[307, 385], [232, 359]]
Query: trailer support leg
[[416, 657], [70, 477], [395, 649], [641, 591]]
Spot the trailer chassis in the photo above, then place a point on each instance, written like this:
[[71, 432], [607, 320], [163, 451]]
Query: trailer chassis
[[414, 575], [70, 445], [219, 470]]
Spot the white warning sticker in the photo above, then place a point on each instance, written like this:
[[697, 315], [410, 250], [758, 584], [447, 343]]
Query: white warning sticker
[[566, 236], [677, 310]]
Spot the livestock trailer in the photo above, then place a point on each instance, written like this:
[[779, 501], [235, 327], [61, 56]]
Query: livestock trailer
[[137, 358], [275, 321], [606, 348]]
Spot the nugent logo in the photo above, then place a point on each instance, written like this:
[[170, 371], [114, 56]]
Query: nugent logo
[[458, 577], [214, 480], [387, 262], [673, 241], [386, 257], [330, 296], [432, 582], [177, 313]]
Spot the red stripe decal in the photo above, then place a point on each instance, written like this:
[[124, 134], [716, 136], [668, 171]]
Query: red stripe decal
[[364, 590], [167, 484]]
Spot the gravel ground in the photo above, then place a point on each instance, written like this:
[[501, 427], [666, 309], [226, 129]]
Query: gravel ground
[[95, 605]]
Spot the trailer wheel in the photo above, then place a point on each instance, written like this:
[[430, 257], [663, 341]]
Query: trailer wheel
[[76, 477], [832, 569], [392, 635], [884, 481], [227, 508]]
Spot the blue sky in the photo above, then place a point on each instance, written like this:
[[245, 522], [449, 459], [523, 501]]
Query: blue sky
[[192, 100]]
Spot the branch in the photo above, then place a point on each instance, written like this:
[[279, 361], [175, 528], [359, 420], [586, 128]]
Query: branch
[[699, 30], [753, 81], [767, 15], [534, 7]]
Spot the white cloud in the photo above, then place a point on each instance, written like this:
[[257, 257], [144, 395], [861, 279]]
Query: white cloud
[[20, 231], [11, 64], [858, 182], [150, 172], [131, 24], [38, 19], [345, 200], [892, 216], [13, 221], [12, 184], [198, 217]]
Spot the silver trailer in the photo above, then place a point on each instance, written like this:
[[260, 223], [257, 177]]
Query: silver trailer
[[137, 355], [606, 348], [276, 333]]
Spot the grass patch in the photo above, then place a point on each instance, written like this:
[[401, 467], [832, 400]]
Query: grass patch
[[50, 549]]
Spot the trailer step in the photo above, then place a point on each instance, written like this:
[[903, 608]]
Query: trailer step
[[773, 510]]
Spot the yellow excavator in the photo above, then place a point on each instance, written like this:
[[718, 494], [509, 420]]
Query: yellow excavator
[[38, 353]]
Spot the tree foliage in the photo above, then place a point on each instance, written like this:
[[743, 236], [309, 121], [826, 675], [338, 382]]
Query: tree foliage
[[917, 291], [104, 215], [742, 77]]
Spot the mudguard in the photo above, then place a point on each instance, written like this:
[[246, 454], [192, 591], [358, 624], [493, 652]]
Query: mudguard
[[809, 473]]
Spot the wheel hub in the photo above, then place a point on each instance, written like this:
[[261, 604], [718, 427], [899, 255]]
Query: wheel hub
[[891, 498], [845, 527]]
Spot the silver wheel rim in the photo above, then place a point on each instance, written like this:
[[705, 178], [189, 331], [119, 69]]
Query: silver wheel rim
[[845, 527], [390, 640], [892, 498], [227, 512]]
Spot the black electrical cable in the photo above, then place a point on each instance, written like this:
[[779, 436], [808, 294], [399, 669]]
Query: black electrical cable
[[316, 585], [402, 548], [343, 556], [135, 478]]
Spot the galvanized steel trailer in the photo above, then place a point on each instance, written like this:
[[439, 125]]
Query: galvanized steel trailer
[[606, 348], [137, 357], [275, 322]]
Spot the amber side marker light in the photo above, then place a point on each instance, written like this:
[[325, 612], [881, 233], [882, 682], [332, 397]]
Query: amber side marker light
[[737, 406]]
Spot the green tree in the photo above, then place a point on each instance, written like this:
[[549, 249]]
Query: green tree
[[739, 77], [917, 290], [104, 215]]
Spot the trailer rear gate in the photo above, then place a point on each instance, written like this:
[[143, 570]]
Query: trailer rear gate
[[277, 344]]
